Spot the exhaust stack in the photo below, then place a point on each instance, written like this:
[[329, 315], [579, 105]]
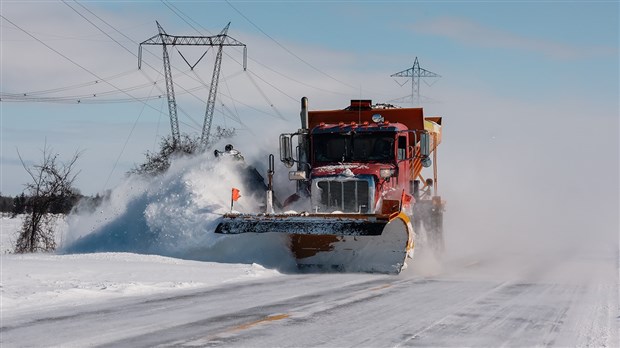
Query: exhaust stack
[[304, 113], [269, 192], [304, 149]]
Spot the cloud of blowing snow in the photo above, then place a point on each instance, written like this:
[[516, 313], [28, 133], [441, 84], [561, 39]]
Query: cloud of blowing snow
[[175, 215]]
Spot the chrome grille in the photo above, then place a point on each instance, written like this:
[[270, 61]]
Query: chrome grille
[[350, 196]]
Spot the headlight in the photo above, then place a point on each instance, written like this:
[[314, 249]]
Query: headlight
[[386, 173]]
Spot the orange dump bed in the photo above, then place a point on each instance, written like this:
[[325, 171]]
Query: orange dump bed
[[413, 118]]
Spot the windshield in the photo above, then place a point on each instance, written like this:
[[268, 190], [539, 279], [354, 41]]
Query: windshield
[[354, 147]]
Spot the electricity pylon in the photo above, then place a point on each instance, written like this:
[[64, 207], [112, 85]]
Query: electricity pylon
[[220, 40], [415, 73]]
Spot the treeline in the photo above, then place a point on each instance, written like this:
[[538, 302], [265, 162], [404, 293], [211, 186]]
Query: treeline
[[21, 204]]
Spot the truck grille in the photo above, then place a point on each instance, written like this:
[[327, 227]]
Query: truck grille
[[350, 196]]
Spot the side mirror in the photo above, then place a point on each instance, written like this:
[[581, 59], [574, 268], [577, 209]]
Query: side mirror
[[425, 149], [286, 150]]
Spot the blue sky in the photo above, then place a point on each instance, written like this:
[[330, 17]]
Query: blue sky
[[503, 64]]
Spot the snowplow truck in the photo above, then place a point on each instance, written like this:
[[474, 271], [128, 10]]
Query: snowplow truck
[[361, 199]]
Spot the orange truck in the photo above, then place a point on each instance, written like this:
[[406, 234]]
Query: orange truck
[[361, 201]]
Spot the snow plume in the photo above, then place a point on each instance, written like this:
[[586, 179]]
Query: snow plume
[[175, 214], [521, 189]]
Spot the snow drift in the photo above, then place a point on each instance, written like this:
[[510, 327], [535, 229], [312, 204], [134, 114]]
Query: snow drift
[[175, 215]]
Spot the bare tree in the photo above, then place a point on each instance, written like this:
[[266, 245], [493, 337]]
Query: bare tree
[[51, 184]]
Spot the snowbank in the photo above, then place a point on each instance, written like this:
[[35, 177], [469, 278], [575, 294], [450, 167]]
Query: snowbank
[[33, 282]]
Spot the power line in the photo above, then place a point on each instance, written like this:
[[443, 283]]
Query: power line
[[74, 86], [118, 158], [249, 74], [78, 96], [265, 96], [71, 60], [295, 80], [236, 113], [90, 98], [220, 41], [183, 19], [93, 24], [74, 100], [131, 52], [287, 50], [92, 73], [178, 12]]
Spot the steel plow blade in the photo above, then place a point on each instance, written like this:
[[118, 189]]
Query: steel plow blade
[[344, 242]]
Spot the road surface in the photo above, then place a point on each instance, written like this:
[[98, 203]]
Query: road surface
[[562, 299]]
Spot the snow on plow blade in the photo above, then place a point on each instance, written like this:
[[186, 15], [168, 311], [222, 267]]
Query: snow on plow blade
[[344, 242]]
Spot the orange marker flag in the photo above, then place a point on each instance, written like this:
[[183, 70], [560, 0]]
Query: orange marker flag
[[234, 197], [235, 194], [405, 200]]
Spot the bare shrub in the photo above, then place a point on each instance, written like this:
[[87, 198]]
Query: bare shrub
[[51, 185]]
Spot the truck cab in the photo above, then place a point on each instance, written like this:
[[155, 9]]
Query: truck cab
[[353, 165], [356, 159]]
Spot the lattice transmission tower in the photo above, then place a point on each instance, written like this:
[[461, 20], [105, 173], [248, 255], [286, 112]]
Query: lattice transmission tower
[[415, 73], [220, 40]]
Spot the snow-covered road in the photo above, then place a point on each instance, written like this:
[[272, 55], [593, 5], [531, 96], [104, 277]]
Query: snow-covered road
[[538, 300]]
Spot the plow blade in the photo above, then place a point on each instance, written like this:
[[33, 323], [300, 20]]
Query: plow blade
[[344, 242]]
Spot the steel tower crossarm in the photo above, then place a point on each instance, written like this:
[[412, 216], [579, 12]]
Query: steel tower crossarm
[[415, 71], [221, 39]]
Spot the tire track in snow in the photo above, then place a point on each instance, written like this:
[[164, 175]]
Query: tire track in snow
[[291, 311], [523, 313], [129, 322], [459, 307], [299, 313]]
